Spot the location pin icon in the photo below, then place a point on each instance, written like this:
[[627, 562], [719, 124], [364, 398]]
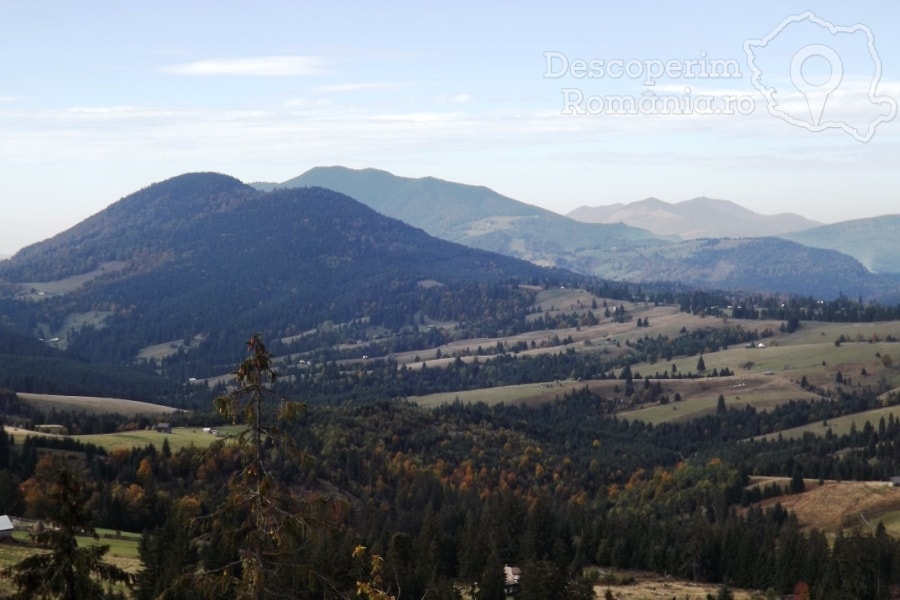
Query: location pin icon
[[816, 94]]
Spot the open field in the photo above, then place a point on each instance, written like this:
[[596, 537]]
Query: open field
[[847, 504], [602, 337], [181, 437], [123, 551], [650, 586], [840, 425], [69, 284], [699, 396], [528, 394], [92, 404], [765, 377], [158, 352]]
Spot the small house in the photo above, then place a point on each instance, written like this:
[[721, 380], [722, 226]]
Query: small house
[[164, 427], [511, 577], [895, 481], [6, 527]]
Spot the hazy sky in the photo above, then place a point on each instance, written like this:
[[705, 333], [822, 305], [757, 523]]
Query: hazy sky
[[100, 99]]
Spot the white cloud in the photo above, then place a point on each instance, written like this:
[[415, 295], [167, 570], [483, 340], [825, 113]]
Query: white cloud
[[455, 99], [260, 66], [307, 103], [356, 87]]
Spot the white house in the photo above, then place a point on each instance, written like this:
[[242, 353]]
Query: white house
[[6, 526]]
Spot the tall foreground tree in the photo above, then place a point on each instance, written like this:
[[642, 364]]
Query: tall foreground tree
[[66, 571], [254, 539]]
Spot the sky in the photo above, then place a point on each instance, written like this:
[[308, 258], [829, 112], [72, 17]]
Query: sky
[[581, 103]]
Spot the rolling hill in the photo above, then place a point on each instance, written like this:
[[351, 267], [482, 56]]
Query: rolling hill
[[757, 264], [873, 242]]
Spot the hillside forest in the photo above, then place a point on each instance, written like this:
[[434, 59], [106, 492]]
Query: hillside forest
[[374, 495]]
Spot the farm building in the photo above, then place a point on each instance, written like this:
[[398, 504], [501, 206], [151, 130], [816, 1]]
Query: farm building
[[6, 526], [52, 429], [164, 427], [511, 576]]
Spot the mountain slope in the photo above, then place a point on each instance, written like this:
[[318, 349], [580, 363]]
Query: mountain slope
[[760, 264], [205, 254], [475, 216], [693, 219], [29, 365], [140, 227], [874, 242]]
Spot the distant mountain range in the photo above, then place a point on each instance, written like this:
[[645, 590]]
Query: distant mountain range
[[694, 219], [205, 258], [205, 252], [479, 217]]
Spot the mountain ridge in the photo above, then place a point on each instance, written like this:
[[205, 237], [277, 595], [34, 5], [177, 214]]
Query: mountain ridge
[[696, 218], [619, 252], [873, 241], [474, 215]]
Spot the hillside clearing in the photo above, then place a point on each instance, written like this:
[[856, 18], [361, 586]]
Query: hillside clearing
[[839, 425], [846, 504], [650, 586], [40, 289], [92, 404], [181, 437]]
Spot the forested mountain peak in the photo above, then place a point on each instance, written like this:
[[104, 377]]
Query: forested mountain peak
[[231, 259], [141, 226]]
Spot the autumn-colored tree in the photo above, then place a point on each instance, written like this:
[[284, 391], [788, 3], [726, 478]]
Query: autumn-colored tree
[[801, 591]]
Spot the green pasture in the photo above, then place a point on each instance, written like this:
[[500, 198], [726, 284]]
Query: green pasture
[[123, 551], [840, 425], [699, 403], [529, 393], [181, 437]]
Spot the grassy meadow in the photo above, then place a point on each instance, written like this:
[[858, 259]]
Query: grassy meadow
[[123, 551], [764, 377]]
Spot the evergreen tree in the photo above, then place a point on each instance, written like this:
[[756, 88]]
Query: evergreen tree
[[67, 571], [255, 536]]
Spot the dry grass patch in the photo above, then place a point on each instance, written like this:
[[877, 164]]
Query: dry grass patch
[[650, 586], [835, 505], [529, 394], [93, 404]]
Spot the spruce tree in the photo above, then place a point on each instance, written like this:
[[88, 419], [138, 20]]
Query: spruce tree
[[67, 571]]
